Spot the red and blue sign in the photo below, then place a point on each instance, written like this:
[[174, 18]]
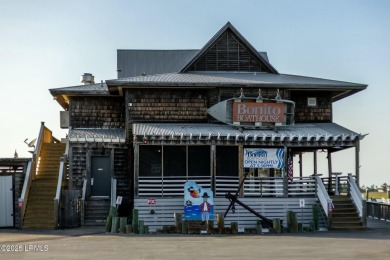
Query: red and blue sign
[[198, 202]]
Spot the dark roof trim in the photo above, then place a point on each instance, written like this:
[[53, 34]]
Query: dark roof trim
[[251, 49]]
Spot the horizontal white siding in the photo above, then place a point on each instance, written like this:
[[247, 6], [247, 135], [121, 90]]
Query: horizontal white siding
[[268, 207]]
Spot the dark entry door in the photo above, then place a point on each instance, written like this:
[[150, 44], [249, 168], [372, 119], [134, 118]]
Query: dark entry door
[[100, 176]]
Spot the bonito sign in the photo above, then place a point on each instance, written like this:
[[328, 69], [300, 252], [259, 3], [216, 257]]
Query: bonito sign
[[258, 112]]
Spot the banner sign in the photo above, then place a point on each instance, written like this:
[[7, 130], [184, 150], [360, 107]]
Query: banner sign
[[258, 112], [198, 202], [263, 158]]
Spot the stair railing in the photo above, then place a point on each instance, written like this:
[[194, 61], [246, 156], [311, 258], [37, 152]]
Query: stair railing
[[324, 199], [355, 194], [113, 192], [25, 191], [44, 136], [62, 172], [83, 194]]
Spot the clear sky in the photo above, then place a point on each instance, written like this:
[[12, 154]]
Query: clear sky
[[49, 44]]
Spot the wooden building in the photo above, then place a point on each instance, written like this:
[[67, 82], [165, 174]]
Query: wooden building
[[143, 135]]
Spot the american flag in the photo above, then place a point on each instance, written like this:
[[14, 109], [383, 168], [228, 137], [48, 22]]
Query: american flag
[[290, 168]]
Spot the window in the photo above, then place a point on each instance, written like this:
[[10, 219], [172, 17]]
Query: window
[[150, 160], [227, 160], [198, 160], [174, 160]]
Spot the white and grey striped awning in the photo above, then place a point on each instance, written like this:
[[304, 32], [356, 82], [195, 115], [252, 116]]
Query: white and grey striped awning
[[325, 133], [97, 135]]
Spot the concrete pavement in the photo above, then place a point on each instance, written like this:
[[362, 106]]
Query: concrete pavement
[[87, 243]]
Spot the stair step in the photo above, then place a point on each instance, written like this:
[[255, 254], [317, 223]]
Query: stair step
[[36, 226], [94, 223], [355, 227], [47, 222], [40, 204]]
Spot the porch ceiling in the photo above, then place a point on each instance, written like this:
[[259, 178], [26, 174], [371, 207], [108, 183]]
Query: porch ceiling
[[316, 134]]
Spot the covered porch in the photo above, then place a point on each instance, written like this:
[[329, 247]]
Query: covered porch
[[168, 155]]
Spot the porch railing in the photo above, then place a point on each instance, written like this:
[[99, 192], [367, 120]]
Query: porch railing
[[263, 187], [336, 185], [225, 184], [302, 186], [253, 186], [168, 186], [378, 210], [62, 174]]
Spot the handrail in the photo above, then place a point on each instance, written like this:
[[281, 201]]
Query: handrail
[[61, 174], [57, 198], [37, 150], [356, 196], [113, 192], [325, 200], [25, 191], [82, 200]]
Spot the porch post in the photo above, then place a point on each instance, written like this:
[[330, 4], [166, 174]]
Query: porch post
[[315, 162], [357, 162], [329, 171], [285, 173], [241, 166], [136, 167], [300, 165]]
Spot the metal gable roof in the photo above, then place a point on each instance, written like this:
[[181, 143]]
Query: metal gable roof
[[249, 47], [220, 79], [132, 63], [98, 89]]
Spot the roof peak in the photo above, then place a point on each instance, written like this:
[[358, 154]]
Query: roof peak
[[228, 50]]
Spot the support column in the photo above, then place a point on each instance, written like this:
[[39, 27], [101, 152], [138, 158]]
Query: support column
[[136, 168], [285, 173], [329, 171], [357, 162], [315, 162], [241, 166], [300, 165]]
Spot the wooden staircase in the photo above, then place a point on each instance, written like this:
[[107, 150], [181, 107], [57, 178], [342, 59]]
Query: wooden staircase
[[96, 211], [39, 212], [345, 215]]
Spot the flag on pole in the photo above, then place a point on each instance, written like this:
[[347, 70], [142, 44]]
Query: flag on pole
[[290, 168]]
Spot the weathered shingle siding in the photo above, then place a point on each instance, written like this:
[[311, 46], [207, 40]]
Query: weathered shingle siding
[[321, 113], [79, 153], [166, 105], [97, 112]]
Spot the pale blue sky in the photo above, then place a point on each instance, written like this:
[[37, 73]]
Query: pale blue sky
[[49, 44]]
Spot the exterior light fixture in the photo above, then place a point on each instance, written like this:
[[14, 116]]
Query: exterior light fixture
[[311, 101]]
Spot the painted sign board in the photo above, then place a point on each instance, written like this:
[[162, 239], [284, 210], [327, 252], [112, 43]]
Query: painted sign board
[[258, 112], [152, 201], [263, 158], [198, 202], [251, 113]]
